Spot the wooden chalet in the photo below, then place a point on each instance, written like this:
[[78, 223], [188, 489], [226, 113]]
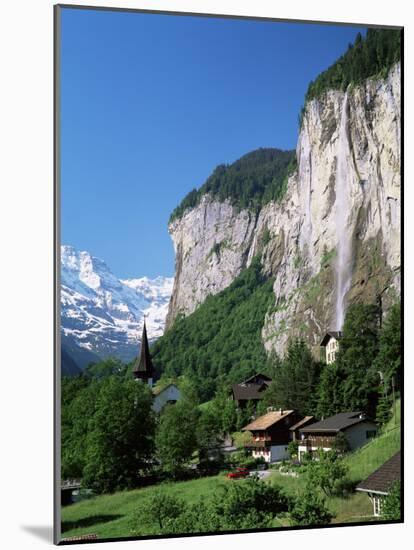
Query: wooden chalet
[[294, 430], [322, 435], [271, 434], [251, 389], [379, 483]]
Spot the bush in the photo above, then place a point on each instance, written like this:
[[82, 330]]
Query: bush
[[159, 508], [292, 449], [328, 473], [391, 505], [309, 508]]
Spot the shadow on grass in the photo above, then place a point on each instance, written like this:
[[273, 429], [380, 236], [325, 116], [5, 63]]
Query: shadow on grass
[[87, 522]]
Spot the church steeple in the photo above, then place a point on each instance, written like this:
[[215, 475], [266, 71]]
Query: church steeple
[[143, 368]]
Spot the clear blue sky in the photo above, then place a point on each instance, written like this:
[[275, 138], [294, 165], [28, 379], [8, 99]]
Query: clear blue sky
[[151, 104]]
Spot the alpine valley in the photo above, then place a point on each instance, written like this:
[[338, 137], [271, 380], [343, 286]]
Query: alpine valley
[[102, 315], [323, 221]]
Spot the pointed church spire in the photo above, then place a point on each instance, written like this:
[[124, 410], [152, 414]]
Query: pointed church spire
[[143, 368]]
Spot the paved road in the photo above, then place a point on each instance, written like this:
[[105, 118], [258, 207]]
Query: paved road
[[262, 474]]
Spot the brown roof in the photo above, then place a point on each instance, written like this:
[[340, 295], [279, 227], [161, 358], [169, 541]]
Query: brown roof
[[384, 477], [267, 420], [264, 377], [248, 391], [302, 422], [337, 334]]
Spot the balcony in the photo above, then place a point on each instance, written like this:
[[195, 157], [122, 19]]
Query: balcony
[[258, 444], [317, 442]]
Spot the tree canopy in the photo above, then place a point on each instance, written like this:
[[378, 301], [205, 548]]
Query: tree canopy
[[220, 343], [367, 57], [255, 179]]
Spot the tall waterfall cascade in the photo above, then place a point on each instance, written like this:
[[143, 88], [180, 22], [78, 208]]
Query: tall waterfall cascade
[[343, 231]]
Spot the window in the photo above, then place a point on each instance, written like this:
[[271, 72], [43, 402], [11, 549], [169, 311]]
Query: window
[[370, 433]]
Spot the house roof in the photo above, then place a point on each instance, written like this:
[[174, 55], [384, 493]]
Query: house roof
[[250, 391], [156, 391], [336, 423], [337, 334], [264, 376], [302, 422], [267, 420], [383, 478]]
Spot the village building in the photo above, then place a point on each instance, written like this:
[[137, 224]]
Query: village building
[[144, 370], [271, 435], [250, 390], [379, 483], [356, 427], [331, 344], [294, 430], [167, 395]]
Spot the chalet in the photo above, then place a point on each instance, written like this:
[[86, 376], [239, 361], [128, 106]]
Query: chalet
[[169, 394], [379, 483], [331, 344], [251, 389], [294, 430], [322, 435], [271, 435], [144, 370]]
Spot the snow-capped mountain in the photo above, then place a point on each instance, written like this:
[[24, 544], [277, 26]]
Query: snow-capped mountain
[[102, 315]]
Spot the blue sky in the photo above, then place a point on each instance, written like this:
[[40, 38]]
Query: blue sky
[[150, 104]]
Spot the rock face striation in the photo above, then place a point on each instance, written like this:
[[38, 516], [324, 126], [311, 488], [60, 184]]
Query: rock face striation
[[333, 239]]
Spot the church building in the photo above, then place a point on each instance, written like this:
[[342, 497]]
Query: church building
[[144, 370]]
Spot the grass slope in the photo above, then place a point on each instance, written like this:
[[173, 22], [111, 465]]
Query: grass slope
[[368, 458], [361, 463], [110, 516]]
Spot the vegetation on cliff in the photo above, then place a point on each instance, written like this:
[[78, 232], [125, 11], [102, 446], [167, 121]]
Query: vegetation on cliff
[[370, 56], [251, 181], [221, 341]]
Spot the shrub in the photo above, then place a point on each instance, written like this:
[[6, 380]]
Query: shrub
[[309, 508]]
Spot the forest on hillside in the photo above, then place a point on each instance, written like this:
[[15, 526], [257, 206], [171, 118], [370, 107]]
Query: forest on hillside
[[255, 179], [369, 56]]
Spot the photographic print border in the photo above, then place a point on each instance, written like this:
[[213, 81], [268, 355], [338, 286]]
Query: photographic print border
[[56, 251]]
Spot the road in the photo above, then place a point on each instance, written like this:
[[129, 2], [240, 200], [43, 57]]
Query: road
[[261, 474]]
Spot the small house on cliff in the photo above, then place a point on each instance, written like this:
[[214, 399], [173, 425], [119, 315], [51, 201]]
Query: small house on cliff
[[331, 344]]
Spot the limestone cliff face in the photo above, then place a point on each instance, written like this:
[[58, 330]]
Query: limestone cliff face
[[303, 239], [212, 244]]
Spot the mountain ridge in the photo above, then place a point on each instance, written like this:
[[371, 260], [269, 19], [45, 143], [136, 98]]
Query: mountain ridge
[[102, 315]]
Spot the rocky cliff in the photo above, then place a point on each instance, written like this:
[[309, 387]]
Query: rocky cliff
[[332, 239]]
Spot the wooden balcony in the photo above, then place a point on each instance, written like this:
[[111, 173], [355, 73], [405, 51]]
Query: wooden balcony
[[258, 444], [318, 442]]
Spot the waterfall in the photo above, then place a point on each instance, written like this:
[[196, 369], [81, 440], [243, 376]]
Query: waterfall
[[344, 235]]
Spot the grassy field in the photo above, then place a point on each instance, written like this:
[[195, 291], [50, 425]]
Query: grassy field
[[115, 515], [365, 460]]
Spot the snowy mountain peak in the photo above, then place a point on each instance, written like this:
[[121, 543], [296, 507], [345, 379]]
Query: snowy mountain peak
[[103, 314]]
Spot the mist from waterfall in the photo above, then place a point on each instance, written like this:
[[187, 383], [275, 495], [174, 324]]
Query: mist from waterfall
[[344, 235]]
